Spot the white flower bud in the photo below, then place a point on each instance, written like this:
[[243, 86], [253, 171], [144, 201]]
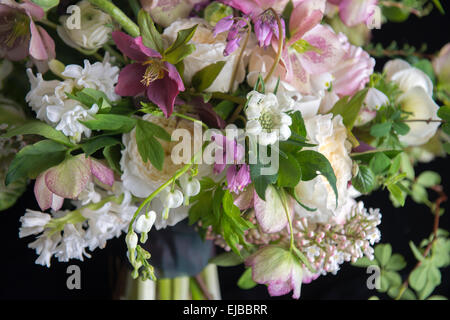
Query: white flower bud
[[173, 199], [92, 33], [131, 239], [190, 186], [145, 222]]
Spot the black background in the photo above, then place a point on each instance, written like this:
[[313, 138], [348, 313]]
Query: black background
[[20, 278]]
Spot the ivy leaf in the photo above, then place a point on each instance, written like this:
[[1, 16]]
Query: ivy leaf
[[39, 128], [312, 162], [34, 159], [204, 78]]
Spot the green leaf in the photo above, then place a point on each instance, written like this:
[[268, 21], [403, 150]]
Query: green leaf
[[393, 277], [365, 157], [183, 37], [437, 297], [150, 36], [149, 148], [401, 128], [396, 262], [11, 193], [216, 11], [419, 256], [429, 179], [349, 109], [261, 181], [93, 145], [312, 162], [381, 129], [418, 278], [39, 128], [298, 124], [246, 282], [364, 262], [383, 253], [177, 55], [426, 66], [419, 193], [46, 4], [364, 181], [379, 163], [444, 113], [111, 122], [34, 159], [397, 193], [289, 172], [438, 5], [227, 259], [201, 208], [113, 155], [204, 78]]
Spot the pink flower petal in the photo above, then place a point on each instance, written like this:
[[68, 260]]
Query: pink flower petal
[[163, 92], [133, 47], [32, 9], [129, 83], [101, 172], [69, 178], [354, 12], [304, 17], [43, 195], [38, 49]]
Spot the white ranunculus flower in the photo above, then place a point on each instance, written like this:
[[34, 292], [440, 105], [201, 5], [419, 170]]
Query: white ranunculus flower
[[209, 50], [95, 28], [330, 136], [417, 99], [141, 179], [267, 119]]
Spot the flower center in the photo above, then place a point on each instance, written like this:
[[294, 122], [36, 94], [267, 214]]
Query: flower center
[[20, 28], [266, 120], [155, 70]]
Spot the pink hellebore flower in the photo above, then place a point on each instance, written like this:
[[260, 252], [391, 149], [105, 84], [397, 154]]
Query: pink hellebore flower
[[354, 12], [159, 79], [20, 37], [266, 26], [278, 268], [68, 180]]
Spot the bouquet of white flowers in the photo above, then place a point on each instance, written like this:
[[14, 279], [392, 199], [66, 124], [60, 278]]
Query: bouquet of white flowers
[[261, 122]]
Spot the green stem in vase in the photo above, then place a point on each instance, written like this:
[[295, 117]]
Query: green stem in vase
[[181, 288], [165, 289], [211, 276]]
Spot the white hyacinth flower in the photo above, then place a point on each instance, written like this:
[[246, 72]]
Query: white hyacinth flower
[[70, 123], [145, 222], [267, 118]]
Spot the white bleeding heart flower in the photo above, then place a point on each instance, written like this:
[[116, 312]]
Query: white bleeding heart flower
[[131, 240], [190, 186], [374, 100], [172, 199], [145, 222]]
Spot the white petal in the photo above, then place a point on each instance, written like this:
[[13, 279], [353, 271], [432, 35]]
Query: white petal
[[253, 127]]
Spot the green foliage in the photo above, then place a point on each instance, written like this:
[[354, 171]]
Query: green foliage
[[97, 143], [260, 180], [349, 108], [113, 155], [227, 259], [364, 181], [245, 281], [214, 207], [47, 4], [180, 48], [289, 172], [150, 36], [39, 128], [30, 162], [312, 162], [148, 146], [215, 11], [205, 77], [111, 122], [89, 97]]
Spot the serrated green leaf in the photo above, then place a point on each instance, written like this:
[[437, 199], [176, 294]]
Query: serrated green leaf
[[149, 148], [364, 181]]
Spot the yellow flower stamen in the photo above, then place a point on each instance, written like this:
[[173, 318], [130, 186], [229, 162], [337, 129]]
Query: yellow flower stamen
[[155, 70]]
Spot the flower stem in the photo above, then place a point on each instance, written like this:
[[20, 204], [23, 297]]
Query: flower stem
[[224, 96], [288, 216], [212, 280], [183, 116], [165, 289], [118, 15], [181, 288], [280, 46]]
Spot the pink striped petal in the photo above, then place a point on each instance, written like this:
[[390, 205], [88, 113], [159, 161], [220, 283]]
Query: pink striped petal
[[101, 172]]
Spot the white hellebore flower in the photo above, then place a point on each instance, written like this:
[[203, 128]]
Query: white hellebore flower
[[93, 32], [416, 99], [208, 50], [145, 222], [267, 118]]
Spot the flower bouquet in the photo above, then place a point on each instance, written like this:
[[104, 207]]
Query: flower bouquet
[[255, 126]]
